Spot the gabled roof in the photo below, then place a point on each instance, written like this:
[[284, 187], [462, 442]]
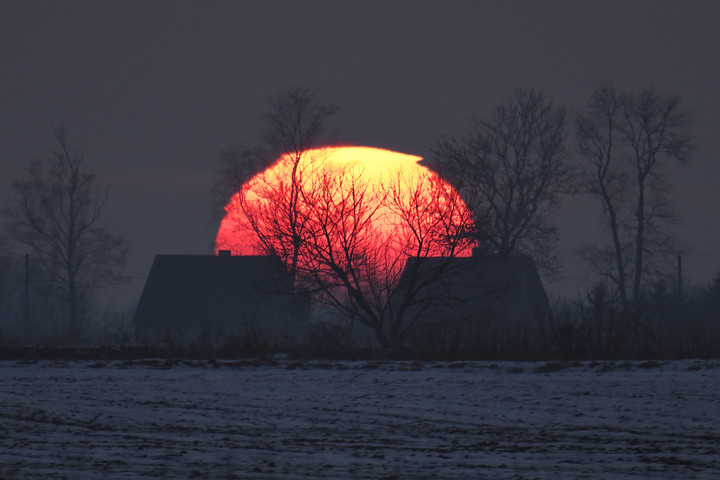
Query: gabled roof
[[203, 290], [499, 294], [476, 278]]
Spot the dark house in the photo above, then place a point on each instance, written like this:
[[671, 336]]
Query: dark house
[[476, 303], [206, 298]]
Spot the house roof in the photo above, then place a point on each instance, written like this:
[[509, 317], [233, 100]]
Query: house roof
[[502, 288], [195, 290]]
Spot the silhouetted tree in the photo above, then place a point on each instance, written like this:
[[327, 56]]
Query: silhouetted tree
[[295, 122], [357, 232], [322, 221], [709, 338], [237, 165], [4, 245], [55, 210], [712, 293], [601, 328], [628, 140], [511, 170], [357, 269]]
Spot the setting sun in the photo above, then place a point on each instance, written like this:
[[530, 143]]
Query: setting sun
[[383, 199]]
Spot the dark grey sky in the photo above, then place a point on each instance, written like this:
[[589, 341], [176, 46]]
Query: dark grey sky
[[152, 90]]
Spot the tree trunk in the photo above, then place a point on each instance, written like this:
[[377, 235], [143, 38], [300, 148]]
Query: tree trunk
[[619, 261], [382, 337], [639, 248], [73, 312]]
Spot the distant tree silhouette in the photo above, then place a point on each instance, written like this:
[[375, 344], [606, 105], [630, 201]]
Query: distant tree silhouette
[[237, 165], [601, 328], [628, 140], [4, 245], [511, 170], [56, 211]]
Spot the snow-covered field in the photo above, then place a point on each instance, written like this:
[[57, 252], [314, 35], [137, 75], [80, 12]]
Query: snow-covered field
[[282, 419]]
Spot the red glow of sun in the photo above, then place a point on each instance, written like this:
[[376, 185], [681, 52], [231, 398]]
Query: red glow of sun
[[408, 208]]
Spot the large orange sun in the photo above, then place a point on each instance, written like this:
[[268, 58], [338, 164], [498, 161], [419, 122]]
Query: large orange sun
[[341, 195]]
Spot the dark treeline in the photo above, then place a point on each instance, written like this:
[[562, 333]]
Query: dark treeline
[[673, 323], [512, 167], [592, 327]]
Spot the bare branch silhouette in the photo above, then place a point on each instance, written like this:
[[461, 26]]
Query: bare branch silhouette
[[511, 169], [56, 211], [628, 140]]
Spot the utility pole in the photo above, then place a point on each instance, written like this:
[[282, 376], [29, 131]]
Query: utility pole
[[679, 278], [26, 319]]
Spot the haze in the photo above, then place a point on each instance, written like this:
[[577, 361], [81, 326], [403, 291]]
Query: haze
[[152, 91]]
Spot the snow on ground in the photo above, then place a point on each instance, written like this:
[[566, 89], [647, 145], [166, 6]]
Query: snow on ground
[[282, 419]]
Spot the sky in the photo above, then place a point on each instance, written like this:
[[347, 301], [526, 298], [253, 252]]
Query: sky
[[153, 91]]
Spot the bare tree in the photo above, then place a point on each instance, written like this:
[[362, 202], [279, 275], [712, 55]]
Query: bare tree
[[237, 165], [323, 221], [598, 132], [294, 123], [357, 232], [511, 169], [628, 140], [356, 267], [56, 211]]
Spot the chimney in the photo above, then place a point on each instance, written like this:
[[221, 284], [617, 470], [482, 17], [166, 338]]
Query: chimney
[[224, 253]]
